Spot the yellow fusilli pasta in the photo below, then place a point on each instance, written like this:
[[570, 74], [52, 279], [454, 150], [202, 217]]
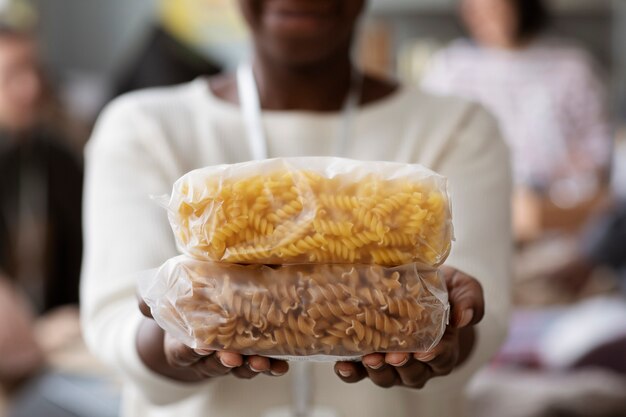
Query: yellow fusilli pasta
[[293, 211]]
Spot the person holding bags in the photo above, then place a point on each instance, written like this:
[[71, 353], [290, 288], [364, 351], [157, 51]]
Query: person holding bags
[[299, 96]]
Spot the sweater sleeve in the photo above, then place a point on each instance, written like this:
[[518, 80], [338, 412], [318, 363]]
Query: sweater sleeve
[[127, 160], [477, 165]]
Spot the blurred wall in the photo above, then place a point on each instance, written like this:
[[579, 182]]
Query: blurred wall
[[86, 41], [94, 35], [591, 29], [91, 35], [619, 52]]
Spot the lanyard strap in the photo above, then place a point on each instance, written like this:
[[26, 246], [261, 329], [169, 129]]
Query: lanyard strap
[[251, 110]]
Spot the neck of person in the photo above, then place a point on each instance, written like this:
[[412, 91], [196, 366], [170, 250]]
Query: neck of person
[[319, 87]]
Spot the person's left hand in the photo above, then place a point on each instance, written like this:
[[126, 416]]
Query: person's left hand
[[414, 370]]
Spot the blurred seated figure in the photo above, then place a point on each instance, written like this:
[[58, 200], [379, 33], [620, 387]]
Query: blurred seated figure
[[40, 204], [550, 104], [44, 368], [40, 184]]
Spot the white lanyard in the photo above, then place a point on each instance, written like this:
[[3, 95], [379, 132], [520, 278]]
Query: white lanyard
[[252, 113]]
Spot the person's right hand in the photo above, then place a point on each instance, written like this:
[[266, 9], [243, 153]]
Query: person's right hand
[[168, 357], [20, 354]]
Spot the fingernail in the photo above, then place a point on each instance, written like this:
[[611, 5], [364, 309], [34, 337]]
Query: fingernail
[[274, 373], [226, 364], [376, 366], [203, 352], [345, 374], [253, 369], [466, 318], [424, 357], [404, 362]]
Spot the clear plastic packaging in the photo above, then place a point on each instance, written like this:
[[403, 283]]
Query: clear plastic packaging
[[299, 312], [313, 210]]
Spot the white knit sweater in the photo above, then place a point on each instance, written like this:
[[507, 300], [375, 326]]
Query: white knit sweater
[[144, 141]]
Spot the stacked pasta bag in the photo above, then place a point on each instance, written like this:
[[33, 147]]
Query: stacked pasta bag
[[315, 258], [313, 210], [300, 310]]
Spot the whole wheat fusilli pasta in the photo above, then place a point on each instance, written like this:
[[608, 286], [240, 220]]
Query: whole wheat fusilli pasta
[[336, 310]]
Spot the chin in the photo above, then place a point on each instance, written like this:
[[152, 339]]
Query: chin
[[305, 51], [304, 35]]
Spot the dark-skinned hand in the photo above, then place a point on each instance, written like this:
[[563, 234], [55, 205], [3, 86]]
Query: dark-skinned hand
[[168, 357], [414, 370]]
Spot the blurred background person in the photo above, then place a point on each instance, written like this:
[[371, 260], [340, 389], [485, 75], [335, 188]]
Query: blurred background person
[[552, 107], [40, 182], [40, 221], [547, 97]]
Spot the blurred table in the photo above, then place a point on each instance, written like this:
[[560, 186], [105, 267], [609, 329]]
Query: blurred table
[[519, 393], [59, 335], [535, 281]]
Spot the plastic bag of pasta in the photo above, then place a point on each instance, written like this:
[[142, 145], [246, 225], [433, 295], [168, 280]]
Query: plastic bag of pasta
[[313, 210], [312, 311]]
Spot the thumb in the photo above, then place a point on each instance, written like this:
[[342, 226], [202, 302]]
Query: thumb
[[143, 307], [466, 298]]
